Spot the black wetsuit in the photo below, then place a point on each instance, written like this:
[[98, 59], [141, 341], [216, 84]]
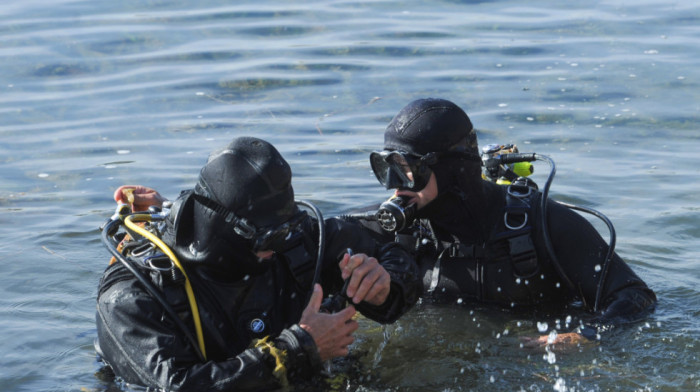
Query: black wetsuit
[[466, 252], [238, 303]]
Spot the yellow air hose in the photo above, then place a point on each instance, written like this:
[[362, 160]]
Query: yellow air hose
[[130, 222]]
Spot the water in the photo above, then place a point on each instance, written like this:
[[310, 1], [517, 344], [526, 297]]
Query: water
[[95, 94]]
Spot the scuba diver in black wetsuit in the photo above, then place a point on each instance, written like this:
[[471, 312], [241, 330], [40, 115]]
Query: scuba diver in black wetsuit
[[229, 298], [480, 241]]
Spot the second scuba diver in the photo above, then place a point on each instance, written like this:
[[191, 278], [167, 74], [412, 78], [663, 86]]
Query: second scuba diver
[[250, 257], [479, 241]]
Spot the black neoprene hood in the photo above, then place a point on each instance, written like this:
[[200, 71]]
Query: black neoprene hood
[[431, 125], [250, 178]]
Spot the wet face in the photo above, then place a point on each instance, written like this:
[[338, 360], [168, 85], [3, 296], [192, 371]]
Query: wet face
[[424, 196]]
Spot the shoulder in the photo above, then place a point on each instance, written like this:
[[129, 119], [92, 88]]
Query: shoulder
[[119, 285]]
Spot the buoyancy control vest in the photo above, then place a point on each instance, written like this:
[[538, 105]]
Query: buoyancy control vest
[[511, 267], [242, 308]]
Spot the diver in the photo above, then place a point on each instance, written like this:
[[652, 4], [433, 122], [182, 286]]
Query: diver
[[476, 240], [233, 297]]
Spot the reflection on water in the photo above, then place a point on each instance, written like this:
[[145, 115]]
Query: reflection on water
[[99, 94]]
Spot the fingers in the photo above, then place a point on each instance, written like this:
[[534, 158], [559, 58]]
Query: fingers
[[139, 197], [561, 342], [332, 333], [345, 268], [121, 194], [315, 301], [345, 327], [369, 281]]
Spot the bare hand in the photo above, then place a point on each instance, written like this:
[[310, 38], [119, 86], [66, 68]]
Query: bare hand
[[562, 341], [332, 333], [369, 281], [138, 197]]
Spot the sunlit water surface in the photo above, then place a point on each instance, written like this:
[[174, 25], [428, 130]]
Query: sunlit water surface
[[95, 94]]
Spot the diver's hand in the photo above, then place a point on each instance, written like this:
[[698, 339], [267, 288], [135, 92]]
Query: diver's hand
[[332, 333], [369, 281], [562, 341], [138, 197]]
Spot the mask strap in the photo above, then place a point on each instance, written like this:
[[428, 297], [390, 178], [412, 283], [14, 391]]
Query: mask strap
[[240, 225]]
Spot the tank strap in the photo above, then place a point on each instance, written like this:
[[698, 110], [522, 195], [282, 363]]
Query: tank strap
[[517, 220]]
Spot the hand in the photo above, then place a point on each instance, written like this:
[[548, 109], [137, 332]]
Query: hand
[[332, 333], [564, 341], [138, 197], [369, 281]]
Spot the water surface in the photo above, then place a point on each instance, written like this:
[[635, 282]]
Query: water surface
[[95, 94]]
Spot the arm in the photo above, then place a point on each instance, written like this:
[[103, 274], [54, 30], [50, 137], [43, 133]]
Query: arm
[[581, 252], [144, 347], [384, 281]]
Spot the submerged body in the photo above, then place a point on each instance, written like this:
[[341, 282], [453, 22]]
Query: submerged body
[[489, 243], [487, 262]]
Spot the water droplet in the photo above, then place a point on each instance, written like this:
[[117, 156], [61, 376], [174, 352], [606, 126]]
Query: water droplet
[[558, 285], [517, 281], [492, 379], [498, 289], [459, 301], [597, 268], [542, 326], [43, 175], [560, 385]]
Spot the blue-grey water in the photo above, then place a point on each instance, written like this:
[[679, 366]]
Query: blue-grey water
[[96, 94]]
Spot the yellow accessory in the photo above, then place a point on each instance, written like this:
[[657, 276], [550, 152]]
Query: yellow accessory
[[280, 371]]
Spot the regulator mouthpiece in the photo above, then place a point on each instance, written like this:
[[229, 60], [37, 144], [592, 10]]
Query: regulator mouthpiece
[[396, 214]]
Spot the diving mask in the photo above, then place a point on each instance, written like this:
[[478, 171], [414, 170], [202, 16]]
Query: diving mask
[[401, 170]]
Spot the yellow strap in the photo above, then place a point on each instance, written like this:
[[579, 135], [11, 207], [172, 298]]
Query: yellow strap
[[280, 356], [129, 221]]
